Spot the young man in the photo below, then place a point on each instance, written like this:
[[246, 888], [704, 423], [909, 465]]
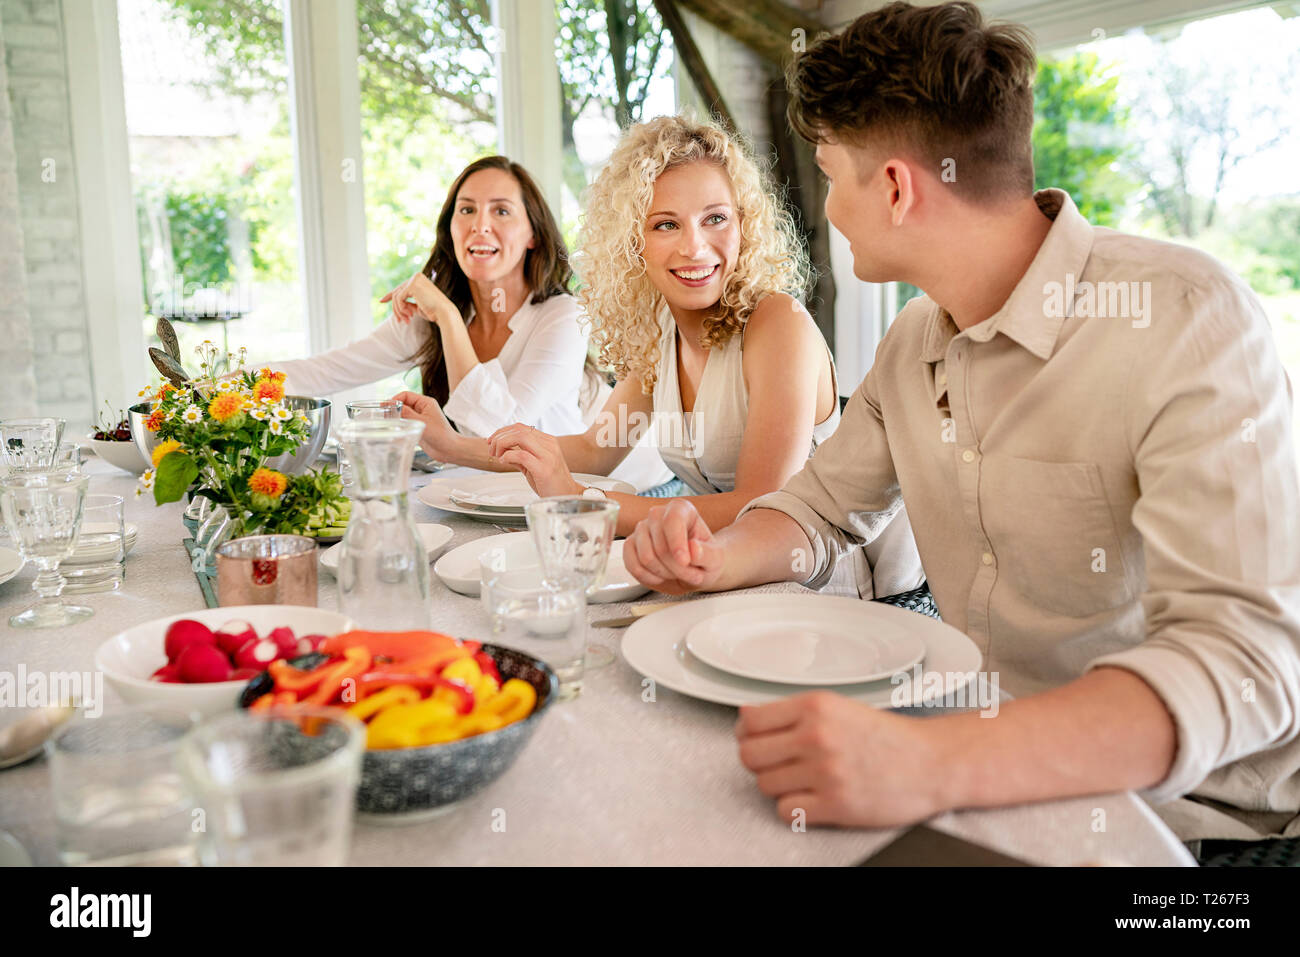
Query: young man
[[1092, 432]]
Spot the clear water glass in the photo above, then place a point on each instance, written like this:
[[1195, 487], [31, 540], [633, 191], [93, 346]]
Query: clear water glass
[[119, 799], [366, 410], [539, 615], [98, 560], [275, 788], [383, 572], [43, 513], [29, 445], [67, 458], [573, 536]]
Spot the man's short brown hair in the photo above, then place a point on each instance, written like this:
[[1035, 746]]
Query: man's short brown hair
[[936, 82]]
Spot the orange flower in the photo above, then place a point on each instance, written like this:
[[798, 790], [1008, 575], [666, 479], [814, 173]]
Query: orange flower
[[155, 420], [273, 376], [268, 482], [226, 406], [268, 389], [163, 450]]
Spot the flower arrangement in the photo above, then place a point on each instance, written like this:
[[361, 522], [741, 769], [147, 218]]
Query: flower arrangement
[[218, 431]]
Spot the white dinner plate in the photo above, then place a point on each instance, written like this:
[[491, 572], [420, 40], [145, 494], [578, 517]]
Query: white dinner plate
[[459, 568], [508, 487], [90, 553], [820, 645], [435, 537], [656, 647], [11, 563]]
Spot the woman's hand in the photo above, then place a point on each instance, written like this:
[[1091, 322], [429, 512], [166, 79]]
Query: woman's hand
[[537, 455], [418, 296], [438, 432]]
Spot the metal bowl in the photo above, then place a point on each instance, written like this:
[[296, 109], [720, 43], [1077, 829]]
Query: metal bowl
[[304, 456], [291, 463], [145, 440], [410, 784]]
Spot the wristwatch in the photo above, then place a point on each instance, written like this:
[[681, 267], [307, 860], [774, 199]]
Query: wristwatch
[[592, 492]]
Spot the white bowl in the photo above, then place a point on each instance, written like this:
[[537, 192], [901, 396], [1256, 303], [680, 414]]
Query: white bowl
[[124, 455], [435, 539], [130, 657]]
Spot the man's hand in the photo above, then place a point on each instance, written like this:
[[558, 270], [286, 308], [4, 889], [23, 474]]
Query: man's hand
[[842, 762], [672, 550], [419, 297], [437, 430], [537, 455]]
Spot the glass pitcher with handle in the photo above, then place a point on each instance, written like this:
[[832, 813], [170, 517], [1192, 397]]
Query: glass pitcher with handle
[[383, 572]]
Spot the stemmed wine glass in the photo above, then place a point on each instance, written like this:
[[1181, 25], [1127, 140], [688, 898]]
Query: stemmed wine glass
[[43, 512], [30, 445]]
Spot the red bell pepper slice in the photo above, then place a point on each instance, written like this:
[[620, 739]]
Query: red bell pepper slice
[[487, 665], [375, 680], [356, 661], [397, 645], [289, 678]]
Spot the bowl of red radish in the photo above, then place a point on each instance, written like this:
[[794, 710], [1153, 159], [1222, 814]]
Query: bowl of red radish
[[200, 661]]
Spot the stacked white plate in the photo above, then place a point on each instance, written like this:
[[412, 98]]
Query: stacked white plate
[[11, 563], [459, 568], [497, 496], [751, 649], [85, 552]]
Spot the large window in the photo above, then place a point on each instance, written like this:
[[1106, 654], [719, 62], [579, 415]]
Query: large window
[[212, 172], [615, 60]]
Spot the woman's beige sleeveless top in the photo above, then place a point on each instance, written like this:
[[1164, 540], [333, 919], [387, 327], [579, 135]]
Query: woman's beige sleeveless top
[[702, 448]]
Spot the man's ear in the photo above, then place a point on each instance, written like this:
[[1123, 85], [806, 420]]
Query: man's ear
[[897, 174]]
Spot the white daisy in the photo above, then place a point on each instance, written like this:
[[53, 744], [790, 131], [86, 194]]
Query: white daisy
[[260, 413], [192, 414], [277, 428], [281, 413]]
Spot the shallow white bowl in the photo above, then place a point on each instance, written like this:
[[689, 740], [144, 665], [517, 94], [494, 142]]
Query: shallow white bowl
[[130, 657], [124, 455], [435, 539]]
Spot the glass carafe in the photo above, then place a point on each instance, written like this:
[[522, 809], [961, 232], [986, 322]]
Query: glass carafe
[[383, 571]]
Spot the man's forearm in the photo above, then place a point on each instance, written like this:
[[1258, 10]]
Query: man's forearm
[[765, 545], [1106, 731]]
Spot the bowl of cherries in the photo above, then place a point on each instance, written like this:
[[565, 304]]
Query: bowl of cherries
[[111, 441]]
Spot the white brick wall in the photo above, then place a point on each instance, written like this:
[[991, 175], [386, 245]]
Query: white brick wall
[[17, 379], [57, 314]]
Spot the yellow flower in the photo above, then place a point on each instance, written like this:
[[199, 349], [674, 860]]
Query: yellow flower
[[268, 482], [163, 449], [226, 406], [268, 389]]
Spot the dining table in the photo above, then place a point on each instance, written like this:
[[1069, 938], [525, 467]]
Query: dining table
[[612, 777]]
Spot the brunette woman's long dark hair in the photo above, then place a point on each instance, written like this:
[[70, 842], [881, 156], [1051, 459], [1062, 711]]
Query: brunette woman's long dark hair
[[546, 265]]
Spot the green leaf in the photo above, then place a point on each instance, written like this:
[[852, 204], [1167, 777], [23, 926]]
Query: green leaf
[[176, 472]]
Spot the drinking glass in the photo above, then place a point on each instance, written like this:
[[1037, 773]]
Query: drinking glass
[[66, 459], [275, 788], [540, 615], [366, 410], [267, 570], [573, 536], [98, 560], [43, 512], [28, 445], [118, 797]]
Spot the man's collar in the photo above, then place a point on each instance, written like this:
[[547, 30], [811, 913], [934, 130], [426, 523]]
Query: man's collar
[[1023, 317]]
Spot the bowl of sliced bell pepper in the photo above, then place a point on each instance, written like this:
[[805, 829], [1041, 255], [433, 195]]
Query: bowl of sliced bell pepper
[[444, 716]]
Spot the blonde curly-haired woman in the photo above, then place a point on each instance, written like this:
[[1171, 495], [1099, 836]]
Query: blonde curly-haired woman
[[691, 273]]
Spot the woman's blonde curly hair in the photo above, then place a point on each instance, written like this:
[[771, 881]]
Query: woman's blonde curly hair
[[620, 301]]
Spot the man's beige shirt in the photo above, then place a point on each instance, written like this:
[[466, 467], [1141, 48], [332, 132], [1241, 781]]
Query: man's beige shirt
[[1102, 473]]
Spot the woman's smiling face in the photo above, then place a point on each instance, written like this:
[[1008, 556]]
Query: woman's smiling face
[[489, 226], [692, 235]]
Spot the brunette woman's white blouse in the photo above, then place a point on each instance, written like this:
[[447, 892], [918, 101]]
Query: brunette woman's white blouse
[[538, 379]]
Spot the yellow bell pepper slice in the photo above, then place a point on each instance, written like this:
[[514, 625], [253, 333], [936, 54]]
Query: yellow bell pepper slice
[[373, 704], [516, 700], [463, 669]]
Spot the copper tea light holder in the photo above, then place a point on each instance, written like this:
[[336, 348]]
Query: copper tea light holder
[[267, 570]]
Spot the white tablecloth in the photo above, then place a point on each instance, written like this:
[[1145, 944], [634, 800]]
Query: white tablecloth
[[606, 779]]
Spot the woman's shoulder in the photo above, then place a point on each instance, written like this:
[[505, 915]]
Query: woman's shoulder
[[561, 307], [776, 318]]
